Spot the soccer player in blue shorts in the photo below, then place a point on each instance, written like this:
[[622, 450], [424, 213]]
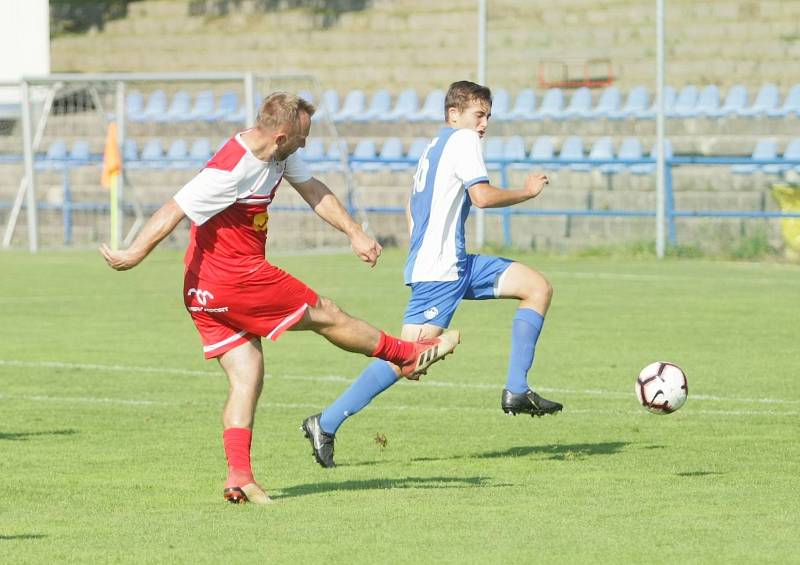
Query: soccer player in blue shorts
[[451, 176]]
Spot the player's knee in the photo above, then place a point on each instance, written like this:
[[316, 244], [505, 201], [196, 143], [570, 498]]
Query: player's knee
[[540, 289], [326, 312]]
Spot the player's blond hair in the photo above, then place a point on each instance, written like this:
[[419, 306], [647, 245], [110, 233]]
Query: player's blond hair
[[462, 92], [281, 108]]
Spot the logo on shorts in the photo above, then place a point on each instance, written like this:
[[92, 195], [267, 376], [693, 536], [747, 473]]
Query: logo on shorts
[[203, 296], [431, 313]]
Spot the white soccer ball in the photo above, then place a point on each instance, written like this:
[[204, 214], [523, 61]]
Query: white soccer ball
[[662, 387]]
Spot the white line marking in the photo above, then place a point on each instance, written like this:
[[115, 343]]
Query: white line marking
[[341, 379]]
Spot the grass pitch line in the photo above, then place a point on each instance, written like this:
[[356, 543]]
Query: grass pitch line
[[341, 379]]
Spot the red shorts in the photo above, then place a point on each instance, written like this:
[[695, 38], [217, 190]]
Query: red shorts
[[228, 314]]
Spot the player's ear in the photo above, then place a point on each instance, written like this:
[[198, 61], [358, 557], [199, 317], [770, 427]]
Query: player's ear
[[280, 138], [452, 114]]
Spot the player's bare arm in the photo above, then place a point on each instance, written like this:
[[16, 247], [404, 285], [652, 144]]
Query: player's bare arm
[[330, 209], [485, 195], [159, 226]]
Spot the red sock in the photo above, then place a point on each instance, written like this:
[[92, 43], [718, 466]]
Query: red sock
[[237, 451], [393, 350]]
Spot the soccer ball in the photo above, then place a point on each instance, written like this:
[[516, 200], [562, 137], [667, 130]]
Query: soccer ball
[[661, 387]]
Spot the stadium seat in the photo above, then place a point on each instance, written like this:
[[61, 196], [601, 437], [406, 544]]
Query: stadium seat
[[328, 107], [766, 148], [80, 151], [134, 105], [500, 104], [227, 106], [393, 149], [203, 108], [792, 153], [602, 148], [552, 105], [380, 105], [768, 99], [670, 96], [580, 104], [735, 100], [337, 151], [630, 148], [708, 101], [544, 149], [153, 153], [179, 110], [608, 104], [791, 105], [572, 149], [417, 148], [405, 106], [635, 105], [685, 104], [55, 157], [524, 106], [649, 168], [492, 152], [354, 105], [178, 154], [313, 151], [514, 151], [306, 95], [130, 151], [432, 109], [365, 149], [201, 150], [155, 109]]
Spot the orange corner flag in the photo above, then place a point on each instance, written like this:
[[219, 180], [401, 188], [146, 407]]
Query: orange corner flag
[[112, 160]]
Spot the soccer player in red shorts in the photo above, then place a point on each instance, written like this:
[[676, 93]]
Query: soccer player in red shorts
[[235, 296]]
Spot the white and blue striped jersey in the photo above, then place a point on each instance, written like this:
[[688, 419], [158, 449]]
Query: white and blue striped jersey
[[440, 203]]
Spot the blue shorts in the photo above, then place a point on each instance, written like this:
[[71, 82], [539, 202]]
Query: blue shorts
[[435, 302]]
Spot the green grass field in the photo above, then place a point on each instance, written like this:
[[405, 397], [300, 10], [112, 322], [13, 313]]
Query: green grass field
[[111, 446]]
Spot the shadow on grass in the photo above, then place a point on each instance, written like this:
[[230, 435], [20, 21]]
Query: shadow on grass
[[23, 436], [697, 473], [385, 484], [21, 537], [553, 452]]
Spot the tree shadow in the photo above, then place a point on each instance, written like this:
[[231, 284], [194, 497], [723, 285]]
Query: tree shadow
[[697, 473], [24, 436], [558, 452], [385, 484], [21, 537]]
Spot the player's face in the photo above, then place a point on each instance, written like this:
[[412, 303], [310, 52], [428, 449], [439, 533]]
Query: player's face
[[295, 138], [475, 117]]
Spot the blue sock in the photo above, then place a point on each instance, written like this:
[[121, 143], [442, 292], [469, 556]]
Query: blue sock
[[376, 378], [524, 333]]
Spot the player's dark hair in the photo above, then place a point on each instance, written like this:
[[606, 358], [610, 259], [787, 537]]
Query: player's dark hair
[[280, 108], [462, 92]]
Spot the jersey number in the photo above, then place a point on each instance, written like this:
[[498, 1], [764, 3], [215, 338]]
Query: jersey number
[[422, 168]]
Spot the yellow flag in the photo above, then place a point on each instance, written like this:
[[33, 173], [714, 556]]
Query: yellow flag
[[112, 161]]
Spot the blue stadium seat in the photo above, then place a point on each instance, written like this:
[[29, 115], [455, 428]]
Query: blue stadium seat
[[328, 106], [649, 168], [524, 106], [571, 149], [203, 108], [306, 95], [514, 150], [768, 99], [685, 104], [337, 149], [552, 105], [544, 148], [130, 151], [313, 151], [670, 96], [155, 109], [55, 157], [228, 105], [708, 101], [180, 108], [366, 149], [153, 153], [637, 103], [766, 148], [602, 148], [792, 153], [735, 100], [178, 154], [80, 151], [580, 104], [380, 105], [404, 107], [492, 151], [500, 104], [354, 105], [432, 109], [630, 148], [417, 148], [134, 105], [201, 150], [608, 104], [790, 106]]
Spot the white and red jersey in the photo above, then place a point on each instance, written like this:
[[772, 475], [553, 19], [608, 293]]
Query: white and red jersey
[[227, 203]]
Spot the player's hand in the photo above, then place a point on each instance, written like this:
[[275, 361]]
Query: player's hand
[[535, 183], [367, 249], [119, 260]]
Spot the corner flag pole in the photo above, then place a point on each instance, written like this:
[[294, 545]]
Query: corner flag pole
[[480, 225], [112, 168]]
